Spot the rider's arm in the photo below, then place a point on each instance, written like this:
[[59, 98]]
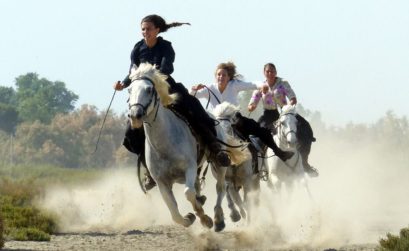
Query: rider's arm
[[255, 98]]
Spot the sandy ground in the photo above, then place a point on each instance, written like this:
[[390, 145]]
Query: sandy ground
[[360, 195], [161, 238]]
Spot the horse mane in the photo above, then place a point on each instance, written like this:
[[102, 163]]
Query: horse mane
[[161, 85], [288, 109], [225, 110]]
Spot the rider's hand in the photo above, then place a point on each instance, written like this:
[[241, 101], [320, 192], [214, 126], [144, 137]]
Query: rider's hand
[[118, 86], [265, 89], [251, 107], [293, 101], [198, 87]]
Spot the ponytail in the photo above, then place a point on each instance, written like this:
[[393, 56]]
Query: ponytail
[[160, 23]]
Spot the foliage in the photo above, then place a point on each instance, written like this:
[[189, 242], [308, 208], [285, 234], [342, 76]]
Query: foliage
[[8, 96], [1, 231], [69, 140], [395, 243], [23, 221], [8, 118], [8, 110], [20, 188]]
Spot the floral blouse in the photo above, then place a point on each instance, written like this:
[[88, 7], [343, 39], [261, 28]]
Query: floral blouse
[[276, 96]]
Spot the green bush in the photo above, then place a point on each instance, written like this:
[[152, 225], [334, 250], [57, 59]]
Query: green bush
[[21, 185], [1, 231], [395, 243], [29, 234]]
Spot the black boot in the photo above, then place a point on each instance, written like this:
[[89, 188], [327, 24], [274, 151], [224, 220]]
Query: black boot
[[304, 148], [310, 170], [218, 155], [149, 182]]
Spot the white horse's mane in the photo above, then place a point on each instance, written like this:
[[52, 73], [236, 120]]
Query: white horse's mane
[[288, 109], [225, 109], [161, 85]]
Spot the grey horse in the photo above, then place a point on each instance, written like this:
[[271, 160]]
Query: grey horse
[[171, 151], [240, 174]]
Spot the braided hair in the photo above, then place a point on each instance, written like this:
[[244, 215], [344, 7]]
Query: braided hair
[[160, 23]]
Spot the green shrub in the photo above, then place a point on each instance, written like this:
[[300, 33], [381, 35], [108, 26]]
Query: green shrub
[[21, 185], [1, 231], [29, 234], [395, 243]]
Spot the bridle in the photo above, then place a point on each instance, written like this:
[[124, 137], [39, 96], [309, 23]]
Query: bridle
[[153, 98], [283, 134]]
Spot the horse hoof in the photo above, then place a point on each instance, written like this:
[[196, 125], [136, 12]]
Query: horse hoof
[[219, 226], [189, 219], [206, 221], [201, 199], [235, 216]]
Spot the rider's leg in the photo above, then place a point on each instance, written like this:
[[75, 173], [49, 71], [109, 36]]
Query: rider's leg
[[246, 127], [134, 142], [268, 117], [191, 108], [305, 137]]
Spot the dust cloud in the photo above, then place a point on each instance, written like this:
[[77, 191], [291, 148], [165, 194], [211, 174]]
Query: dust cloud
[[360, 195]]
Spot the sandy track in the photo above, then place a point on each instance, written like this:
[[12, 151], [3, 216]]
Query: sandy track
[[161, 238]]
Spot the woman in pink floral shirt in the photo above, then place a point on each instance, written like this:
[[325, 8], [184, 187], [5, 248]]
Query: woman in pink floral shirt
[[277, 92]]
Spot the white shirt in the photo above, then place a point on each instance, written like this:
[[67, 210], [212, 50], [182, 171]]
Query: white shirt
[[229, 94]]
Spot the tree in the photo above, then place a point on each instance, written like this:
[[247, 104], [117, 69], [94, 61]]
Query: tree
[[8, 110], [41, 99], [8, 95], [8, 118]]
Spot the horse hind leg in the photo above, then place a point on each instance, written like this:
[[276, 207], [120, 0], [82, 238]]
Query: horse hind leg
[[169, 198]]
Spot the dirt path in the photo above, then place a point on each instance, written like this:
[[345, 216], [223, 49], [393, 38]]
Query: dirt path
[[162, 238]]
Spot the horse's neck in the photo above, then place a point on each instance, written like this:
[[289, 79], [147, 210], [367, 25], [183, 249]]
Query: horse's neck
[[162, 125], [278, 139]]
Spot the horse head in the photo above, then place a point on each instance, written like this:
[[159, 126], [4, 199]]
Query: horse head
[[148, 87], [287, 126], [224, 113]]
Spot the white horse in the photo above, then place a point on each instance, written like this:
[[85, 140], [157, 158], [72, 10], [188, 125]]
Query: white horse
[[286, 173], [170, 147], [240, 174]]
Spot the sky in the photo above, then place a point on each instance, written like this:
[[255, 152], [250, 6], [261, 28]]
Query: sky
[[348, 60]]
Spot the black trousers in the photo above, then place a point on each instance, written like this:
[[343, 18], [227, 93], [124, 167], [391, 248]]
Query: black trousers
[[268, 118]]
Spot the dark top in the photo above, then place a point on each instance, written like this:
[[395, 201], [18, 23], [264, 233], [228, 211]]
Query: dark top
[[162, 55]]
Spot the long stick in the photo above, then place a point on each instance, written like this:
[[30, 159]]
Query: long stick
[[103, 123]]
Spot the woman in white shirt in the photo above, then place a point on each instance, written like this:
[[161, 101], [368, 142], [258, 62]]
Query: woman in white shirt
[[227, 86], [227, 89]]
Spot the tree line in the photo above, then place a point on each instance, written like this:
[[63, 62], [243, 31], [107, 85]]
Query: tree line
[[40, 125]]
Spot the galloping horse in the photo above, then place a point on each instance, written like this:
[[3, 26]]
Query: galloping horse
[[240, 174], [292, 170], [170, 147]]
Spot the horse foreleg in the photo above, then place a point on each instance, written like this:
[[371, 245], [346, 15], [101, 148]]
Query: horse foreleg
[[191, 195], [234, 214], [219, 173], [169, 198]]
